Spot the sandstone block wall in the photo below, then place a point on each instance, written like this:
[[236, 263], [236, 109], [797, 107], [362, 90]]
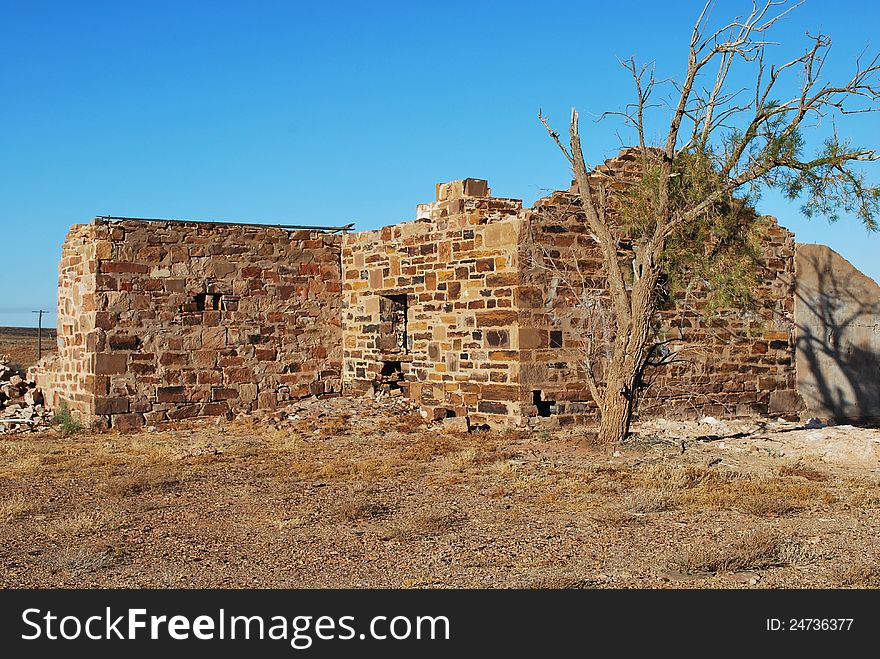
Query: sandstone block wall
[[730, 362], [169, 320], [727, 363], [487, 333], [456, 270], [68, 375]]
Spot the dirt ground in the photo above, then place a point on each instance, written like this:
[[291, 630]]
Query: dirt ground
[[363, 493], [20, 344]]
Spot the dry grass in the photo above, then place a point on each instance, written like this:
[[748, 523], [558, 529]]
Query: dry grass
[[861, 574], [14, 507], [410, 423], [642, 501], [759, 550], [433, 524], [803, 471], [160, 476], [334, 498], [79, 560], [333, 426], [21, 464], [862, 493], [367, 469], [19, 345], [458, 461], [360, 509], [697, 488], [763, 505], [86, 521]]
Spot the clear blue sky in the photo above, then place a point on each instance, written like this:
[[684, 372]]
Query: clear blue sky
[[327, 113]]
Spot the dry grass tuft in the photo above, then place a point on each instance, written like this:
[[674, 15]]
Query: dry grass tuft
[[862, 493], [803, 471], [427, 446], [438, 523], [152, 477], [861, 574], [766, 505], [79, 560], [334, 426], [759, 550], [81, 522], [410, 423], [458, 461], [352, 511], [642, 501], [14, 507]]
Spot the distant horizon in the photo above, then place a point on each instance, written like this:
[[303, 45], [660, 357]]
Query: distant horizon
[[47, 323]]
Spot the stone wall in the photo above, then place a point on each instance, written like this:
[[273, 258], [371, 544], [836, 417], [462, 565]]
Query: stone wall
[[837, 311], [68, 374], [456, 270], [457, 311], [170, 320], [727, 362]]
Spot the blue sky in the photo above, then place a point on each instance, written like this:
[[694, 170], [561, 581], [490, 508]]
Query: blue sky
[[328, 113]]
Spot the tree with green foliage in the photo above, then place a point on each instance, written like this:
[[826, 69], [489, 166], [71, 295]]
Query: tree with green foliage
[[722, 145]]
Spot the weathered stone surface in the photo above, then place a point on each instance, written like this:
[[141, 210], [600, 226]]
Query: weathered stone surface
[[837, 316], [132, 421], [786, 401], [486, 334], [146, 310], [457, 424]]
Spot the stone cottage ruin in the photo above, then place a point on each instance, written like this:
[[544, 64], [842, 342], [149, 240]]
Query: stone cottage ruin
[[166, 320]]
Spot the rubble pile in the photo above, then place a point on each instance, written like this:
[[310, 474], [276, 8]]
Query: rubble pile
[[315, 413], [21, 402]]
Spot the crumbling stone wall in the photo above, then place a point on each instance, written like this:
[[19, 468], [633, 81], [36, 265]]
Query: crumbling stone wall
[[726, 363], [491, 336], [456, 269], [170, 320]]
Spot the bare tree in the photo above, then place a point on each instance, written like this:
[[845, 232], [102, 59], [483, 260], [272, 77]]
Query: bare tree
[[720, 142]]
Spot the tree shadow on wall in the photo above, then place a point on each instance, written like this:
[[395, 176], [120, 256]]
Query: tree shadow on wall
[[845, 370]]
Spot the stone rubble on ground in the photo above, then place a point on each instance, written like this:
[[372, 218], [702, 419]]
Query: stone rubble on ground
[[21, 402], [357, 412]]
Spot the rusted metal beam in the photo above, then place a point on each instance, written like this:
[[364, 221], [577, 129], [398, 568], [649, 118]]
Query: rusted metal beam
[[292, 227]]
